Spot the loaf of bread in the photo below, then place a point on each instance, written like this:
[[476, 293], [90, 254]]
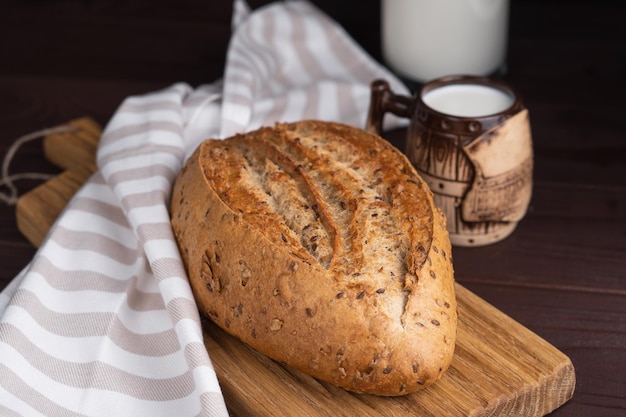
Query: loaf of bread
[[318, 245]]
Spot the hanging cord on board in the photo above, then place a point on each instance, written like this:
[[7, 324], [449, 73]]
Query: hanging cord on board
[[11, 196]]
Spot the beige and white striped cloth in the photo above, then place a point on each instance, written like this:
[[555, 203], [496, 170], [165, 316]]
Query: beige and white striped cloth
[[102, 322]]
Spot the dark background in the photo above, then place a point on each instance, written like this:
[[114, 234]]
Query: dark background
[[562, 273]]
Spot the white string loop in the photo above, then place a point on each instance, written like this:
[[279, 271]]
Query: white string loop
[[11, 196]]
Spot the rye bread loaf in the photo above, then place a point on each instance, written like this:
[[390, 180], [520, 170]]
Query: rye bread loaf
[[318, 245]]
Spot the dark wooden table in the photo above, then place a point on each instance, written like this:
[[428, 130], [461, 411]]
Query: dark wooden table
[[562, 273]]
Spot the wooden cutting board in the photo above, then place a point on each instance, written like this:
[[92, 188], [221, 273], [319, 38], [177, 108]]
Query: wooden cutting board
[[500, 368]]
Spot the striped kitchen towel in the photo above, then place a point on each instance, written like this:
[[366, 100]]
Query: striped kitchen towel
[[102, 322]]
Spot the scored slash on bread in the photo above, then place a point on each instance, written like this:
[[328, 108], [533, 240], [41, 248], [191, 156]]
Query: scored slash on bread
[[319, 245]]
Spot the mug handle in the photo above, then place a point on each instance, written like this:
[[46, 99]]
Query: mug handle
[[383, 100]]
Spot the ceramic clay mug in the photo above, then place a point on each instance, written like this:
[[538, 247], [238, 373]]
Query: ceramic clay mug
[[469, 138]]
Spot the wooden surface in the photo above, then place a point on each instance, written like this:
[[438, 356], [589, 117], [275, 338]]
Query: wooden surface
[[561, 274], [499, 368]]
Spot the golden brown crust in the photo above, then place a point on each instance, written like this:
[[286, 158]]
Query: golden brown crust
[[319, 245]]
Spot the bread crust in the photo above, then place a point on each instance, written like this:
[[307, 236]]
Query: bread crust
[[319, 245]]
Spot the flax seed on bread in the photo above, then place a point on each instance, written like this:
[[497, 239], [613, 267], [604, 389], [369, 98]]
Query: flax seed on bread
[[319, 245]]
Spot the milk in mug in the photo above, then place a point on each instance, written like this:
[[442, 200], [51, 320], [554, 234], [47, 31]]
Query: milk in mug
[[468, 100]]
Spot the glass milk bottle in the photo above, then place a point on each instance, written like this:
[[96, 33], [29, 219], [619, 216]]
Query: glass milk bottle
[[427, 39]]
